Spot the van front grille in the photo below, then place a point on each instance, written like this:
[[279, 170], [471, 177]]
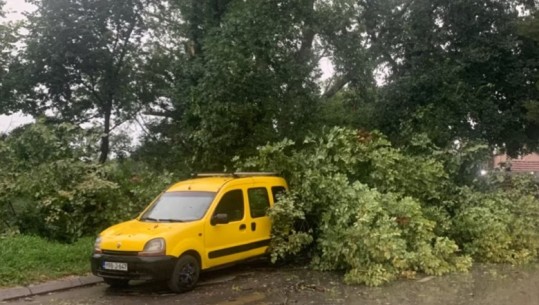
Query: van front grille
[[120, 253]]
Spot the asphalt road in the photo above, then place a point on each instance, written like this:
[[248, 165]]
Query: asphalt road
[[262, 284]]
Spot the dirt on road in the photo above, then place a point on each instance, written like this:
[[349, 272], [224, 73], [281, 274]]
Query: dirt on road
[[262, 284]]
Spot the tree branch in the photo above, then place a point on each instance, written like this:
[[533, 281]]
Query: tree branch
[[337, 84], [143, 127], [92, 90], [115, 45], [375, 38], [124, 49], [165, 114], [308, 36]]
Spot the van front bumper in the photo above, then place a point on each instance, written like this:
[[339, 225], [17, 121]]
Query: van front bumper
[[138, 267]]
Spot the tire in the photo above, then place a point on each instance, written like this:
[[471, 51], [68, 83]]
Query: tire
[[185, 275], [116, 283]]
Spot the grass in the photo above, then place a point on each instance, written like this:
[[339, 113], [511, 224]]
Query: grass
[[29, 259]]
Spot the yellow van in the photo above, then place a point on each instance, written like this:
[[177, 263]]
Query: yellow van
[[197, 224]]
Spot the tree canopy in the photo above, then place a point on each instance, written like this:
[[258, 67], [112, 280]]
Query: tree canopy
[[7, 40], [81, 62], [211, 79], [460, 71]]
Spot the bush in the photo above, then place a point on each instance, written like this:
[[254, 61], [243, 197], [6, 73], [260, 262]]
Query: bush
[[63, 195], [138, 185], [501, 226], [360, 205], [64, 203], [72, 199]]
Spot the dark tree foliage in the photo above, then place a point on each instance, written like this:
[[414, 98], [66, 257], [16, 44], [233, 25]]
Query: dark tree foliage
[[217, 78], [7, 41], [529, 28], [244, 75], [457, 70]]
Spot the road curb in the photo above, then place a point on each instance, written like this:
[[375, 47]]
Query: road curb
[[52, 286]]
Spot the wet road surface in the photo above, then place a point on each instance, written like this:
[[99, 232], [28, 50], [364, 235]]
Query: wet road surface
[[262, 284]]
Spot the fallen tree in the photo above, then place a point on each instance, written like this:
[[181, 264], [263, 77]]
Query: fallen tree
[[359, 205]]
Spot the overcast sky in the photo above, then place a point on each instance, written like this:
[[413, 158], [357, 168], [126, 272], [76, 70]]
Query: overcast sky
[[16, 7]]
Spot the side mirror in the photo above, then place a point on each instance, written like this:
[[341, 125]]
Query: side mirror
[[219, 219]]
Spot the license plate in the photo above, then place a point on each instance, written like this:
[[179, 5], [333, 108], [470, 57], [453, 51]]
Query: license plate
[[115, 266]]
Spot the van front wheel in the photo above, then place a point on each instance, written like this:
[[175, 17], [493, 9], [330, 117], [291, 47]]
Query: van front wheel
[[185, 274]]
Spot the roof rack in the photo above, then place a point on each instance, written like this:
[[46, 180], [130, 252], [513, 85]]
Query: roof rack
[[235, 174]]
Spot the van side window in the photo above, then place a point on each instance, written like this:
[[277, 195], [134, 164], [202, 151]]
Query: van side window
[[277, 191], [258, 202], [231, 204]]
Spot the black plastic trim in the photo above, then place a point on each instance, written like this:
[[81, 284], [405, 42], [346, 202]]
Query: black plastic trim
[[139, 267], [239, 249]]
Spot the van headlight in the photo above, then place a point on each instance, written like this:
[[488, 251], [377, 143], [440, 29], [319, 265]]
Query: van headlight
[[154, 247], [97, 245]]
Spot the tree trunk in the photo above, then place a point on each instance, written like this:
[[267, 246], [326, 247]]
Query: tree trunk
[[105, 145]]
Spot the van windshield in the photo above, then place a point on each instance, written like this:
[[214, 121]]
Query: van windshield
[[179, 207]]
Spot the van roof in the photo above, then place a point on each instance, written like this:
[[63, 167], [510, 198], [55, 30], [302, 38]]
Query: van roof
[[210, 184], [213, 184]]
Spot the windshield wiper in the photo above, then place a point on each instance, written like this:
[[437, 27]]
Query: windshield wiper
[[161, 219], [170, 220], [149, 218]]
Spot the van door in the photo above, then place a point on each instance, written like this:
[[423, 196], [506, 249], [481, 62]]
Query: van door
[[259, 224], [225, 243]]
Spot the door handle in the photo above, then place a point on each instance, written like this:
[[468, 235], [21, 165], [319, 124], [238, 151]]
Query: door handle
[[243, 227], [253, 226]]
